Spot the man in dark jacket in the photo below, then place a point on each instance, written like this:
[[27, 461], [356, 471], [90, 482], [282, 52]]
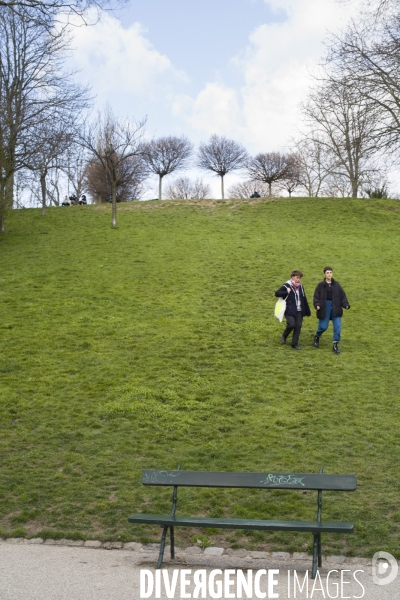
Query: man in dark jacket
[[296, 307], [329, 300]]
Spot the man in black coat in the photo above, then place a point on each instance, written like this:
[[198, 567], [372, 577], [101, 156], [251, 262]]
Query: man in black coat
[[330, 300], [296, 307]]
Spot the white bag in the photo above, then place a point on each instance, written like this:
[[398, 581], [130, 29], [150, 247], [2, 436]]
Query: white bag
[[280, 308]]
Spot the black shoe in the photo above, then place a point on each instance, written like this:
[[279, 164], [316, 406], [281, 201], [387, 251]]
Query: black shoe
[[296, 347], [335, 348], [316, 341], [283, 340]]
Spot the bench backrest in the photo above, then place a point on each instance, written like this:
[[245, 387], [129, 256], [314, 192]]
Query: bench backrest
[[301, 481]]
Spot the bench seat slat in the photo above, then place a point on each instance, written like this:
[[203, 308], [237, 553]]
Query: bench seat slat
[[314, 526], [302, 481]]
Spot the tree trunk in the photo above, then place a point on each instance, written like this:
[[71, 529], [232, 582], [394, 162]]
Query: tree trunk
[[43, 188], [2, 205], [114, 203], [222, 188], [56, 194], [269, 189], [9, 191], [160, 188], [354, 189]]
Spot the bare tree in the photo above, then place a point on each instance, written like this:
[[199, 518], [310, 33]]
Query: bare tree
[[166, 155], [367, 59], [53, 138], [347, 127], [43, 161], [6, 173], [221, 155], [48, 13], [112, 142], [34, 90], [293, 175], [337, 185], [54, 184], [184, 188], [21, 186], [374, 8], [245, 189], [316, 163], [268, 167], [74, 165]]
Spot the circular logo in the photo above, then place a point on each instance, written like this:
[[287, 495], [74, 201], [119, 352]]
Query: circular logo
[[384, 568]]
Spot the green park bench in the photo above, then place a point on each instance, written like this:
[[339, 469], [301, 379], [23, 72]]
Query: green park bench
[[293, 481]]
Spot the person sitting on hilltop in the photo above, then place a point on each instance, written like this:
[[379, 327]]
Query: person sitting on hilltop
[[255, 194]]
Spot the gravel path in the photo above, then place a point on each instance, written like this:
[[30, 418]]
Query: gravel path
[[57, 572]]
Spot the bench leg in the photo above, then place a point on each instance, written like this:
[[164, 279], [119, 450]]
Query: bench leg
[[162, 546], [315, 556], [172, 542], [319, 551]]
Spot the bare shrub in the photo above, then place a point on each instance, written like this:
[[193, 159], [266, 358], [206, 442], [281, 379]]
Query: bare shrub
[[130, 176], [245, 189], [185, 189]]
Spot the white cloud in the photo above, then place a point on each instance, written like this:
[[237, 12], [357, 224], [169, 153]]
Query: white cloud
[[215, 110], [286, 5], [122, 60], [275, 67]]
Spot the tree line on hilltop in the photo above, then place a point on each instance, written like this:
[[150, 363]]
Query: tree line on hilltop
[[351, 122]]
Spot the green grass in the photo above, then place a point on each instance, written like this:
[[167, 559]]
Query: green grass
[[154, 345]]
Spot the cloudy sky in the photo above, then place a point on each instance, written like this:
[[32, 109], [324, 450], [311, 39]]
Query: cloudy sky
[[238, 68]]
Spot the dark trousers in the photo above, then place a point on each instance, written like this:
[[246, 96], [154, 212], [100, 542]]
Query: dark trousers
[[294, 324]]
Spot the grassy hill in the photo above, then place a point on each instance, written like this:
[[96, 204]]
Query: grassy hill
[[155, 344]]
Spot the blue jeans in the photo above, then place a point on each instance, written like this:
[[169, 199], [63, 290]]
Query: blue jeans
[[323, 323]]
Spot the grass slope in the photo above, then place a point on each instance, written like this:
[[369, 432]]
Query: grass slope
[[154, 345]]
